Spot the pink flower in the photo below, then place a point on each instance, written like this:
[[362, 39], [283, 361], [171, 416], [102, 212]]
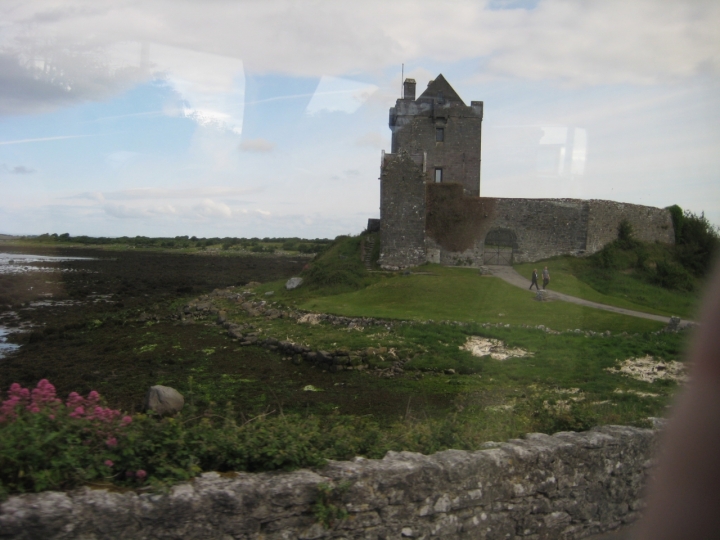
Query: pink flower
[[74, 400], [78, 412], [109, 463], [44, 393], [7, 410], [19, 392], [125, 421], [93, 397], [51, 416], [140, 474], [112, 441]]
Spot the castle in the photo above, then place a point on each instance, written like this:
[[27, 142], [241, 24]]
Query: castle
[[430, 204]]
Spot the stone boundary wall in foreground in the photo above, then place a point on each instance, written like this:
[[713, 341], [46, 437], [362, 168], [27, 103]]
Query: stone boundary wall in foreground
[[565, 486]]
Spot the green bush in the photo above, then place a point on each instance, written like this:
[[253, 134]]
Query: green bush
[[607, 258], [676, 214], [48, 444], [290, 246], [672, 276], [698, 246], [339, 268], [626, 237]]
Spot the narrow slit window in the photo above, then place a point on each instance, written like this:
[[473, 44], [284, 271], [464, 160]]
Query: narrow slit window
[[439, 134], [438, 175]]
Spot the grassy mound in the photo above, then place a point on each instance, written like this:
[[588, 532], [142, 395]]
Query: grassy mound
[[340, 267], [442, 293], [632, 275]]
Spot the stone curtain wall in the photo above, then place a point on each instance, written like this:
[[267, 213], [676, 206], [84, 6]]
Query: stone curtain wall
[[649, 224], [544, 227], [402, 212], [565, 486], [457, 225]]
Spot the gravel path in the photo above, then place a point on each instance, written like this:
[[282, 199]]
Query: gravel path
[[508, 274]]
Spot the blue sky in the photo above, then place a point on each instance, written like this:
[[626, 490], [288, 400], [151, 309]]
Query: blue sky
[[164, 118]]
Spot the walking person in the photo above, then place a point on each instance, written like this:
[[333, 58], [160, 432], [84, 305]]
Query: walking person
[[546, 277], [534, 280]]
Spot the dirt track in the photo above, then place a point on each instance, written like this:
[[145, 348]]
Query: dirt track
[[509, 275]]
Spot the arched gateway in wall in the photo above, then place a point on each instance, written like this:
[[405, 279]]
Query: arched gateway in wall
[[500, 244]]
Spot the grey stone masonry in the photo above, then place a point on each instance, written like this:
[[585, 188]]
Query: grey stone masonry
[[565, 486], [649, 224], [402, 212], [439, 125], [543, 228]]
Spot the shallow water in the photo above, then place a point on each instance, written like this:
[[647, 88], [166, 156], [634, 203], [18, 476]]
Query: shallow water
[[17, 263], [5, 347]]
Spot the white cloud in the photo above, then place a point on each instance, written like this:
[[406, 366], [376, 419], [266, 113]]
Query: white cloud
[[59, 53], [608, 41], [211, 86], [56, 53], [257, 145], [122, 211], [210, 208]]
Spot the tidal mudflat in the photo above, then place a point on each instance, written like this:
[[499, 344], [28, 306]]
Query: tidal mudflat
[[79, 317]]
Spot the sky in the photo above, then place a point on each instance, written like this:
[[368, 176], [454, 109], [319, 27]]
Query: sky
[[268, 118]]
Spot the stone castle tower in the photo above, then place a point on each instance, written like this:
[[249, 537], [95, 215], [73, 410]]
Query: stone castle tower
[[443, 130], [430, 204]]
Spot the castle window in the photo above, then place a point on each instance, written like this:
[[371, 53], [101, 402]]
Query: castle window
[[439, 134], [438, 175]]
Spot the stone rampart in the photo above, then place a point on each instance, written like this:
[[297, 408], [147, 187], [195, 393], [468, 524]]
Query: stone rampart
[[458, 225], [544, 227], [565, 486], [649, 224]]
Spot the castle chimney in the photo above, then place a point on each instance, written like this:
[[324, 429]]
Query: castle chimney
[[409, 89]]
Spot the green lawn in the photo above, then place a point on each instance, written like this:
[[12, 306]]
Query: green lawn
[[463, 295], [577, 277]]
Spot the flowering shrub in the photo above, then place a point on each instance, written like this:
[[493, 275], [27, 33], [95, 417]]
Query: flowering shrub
[[47, 444]]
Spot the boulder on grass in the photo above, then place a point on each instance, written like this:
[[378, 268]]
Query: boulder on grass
[[163, 400], [293, 283]]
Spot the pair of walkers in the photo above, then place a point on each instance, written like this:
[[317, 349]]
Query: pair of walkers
[[545, 275]]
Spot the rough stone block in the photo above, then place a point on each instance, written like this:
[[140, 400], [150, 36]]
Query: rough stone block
[[163, 400]]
